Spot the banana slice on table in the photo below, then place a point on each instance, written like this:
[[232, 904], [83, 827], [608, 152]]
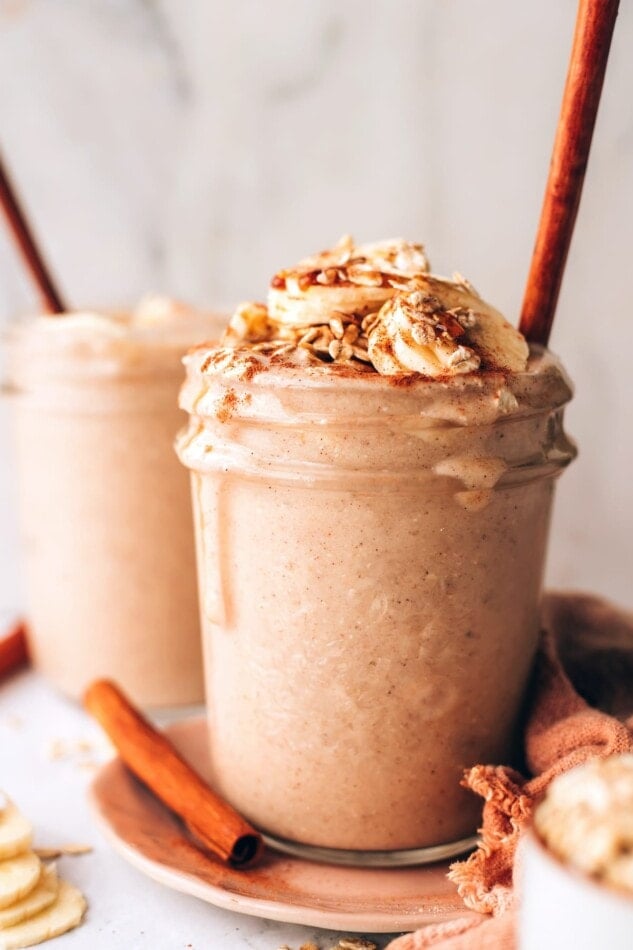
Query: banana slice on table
[[18, 876], [42, 896], [65, 913], [16, 832]]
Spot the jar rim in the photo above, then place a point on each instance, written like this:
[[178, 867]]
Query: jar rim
[[291, 395]]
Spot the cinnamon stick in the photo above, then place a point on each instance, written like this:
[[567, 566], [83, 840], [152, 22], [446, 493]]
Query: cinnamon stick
[[155, 761], [14, 651], [25, 243], [595, 23]]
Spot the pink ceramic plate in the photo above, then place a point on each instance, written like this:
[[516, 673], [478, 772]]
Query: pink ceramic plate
[[281, 887]]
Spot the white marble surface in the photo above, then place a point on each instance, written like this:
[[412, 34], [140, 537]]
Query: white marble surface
[[127, 911]]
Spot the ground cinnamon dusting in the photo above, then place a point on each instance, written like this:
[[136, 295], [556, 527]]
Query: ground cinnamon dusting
[[226, 406], [229, 403]]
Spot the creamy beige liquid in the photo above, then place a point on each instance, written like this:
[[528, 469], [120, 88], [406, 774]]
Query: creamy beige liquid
[[104, 503], [370, 563]]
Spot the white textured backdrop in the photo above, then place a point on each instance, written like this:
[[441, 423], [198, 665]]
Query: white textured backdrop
[[194, 147]]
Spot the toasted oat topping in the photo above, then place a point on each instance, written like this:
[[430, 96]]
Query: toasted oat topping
[[365, 265], [586, 818], [373, 307]]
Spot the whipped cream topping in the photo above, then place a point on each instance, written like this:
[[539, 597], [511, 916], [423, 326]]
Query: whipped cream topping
[[586, 819], [376, 307]]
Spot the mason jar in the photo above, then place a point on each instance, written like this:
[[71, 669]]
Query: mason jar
[[104, 506], [370, 561]]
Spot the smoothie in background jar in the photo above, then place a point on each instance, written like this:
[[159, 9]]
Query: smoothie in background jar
[[105, 508], [373, 459]]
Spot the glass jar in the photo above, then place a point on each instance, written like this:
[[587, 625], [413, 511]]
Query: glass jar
[[104, 505], [370, 559]]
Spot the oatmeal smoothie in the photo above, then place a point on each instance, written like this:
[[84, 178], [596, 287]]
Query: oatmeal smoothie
[[373, 458], [105, 505]]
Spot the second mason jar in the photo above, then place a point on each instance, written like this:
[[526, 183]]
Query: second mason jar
[[105, 514]]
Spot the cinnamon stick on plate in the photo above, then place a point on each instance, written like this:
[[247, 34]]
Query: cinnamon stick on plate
[[14, 651], [155, 761]]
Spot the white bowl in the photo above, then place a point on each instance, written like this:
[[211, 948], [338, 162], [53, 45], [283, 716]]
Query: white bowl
[[563, 909]]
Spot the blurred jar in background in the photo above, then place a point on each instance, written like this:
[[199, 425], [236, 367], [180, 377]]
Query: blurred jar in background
[[104, 504]]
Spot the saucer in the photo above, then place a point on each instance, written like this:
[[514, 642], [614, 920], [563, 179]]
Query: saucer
[[282, 887]]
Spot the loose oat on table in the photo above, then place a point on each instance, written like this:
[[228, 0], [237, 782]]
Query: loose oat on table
[[81, 753], [72, 850], [56, 749], [76, 849], [47, 854], [344, 943], [13, 722], [355, 943]]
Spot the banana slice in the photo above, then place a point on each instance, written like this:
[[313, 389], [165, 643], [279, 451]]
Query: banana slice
[[393, 256], [348, 279], [42, 896], [499, 345], [251, 323], [18, 876], [65, 913], [15, 832], [316, 304], [415, 334]]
